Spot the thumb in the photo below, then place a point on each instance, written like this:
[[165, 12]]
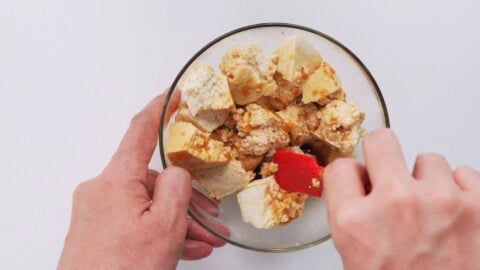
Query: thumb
[[171, 196]]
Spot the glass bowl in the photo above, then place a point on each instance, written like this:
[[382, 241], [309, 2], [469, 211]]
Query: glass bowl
[[312, 227]]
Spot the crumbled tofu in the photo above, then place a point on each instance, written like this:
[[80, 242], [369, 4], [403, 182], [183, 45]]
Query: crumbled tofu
[[340, 126], [228, 137], [203, 90], [223, 180], [301, 121], [322, 86], [265, 205], [297, 59], [315, 182], [260, 141], [259, 131], [192, 149], [249, 72], [204, 120], [286, 94], [268, 169]]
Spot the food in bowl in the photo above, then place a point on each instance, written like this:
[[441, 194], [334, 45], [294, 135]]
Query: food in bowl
[[242, 130]]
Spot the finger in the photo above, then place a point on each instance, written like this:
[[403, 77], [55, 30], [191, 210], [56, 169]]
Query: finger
[[137, 146], [204, 203], [196, 232], [432, 167], [196, 250], [343, 180], [467, 178], [383, 156], [171, 195], [217, 228], [152, 177]]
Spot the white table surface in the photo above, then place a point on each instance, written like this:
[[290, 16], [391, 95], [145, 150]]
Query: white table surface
[[72, 73]]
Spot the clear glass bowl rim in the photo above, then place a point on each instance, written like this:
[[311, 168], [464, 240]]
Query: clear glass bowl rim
[[233, 32]]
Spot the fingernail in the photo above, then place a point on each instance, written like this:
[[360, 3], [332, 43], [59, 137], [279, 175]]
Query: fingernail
[[213, 211]]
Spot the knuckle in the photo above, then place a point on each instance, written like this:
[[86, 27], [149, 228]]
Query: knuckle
[[392, 186], [401, 196], [338, 165], [461, 171], [447, 200], [346, 217], [174, 224], [471, 206]]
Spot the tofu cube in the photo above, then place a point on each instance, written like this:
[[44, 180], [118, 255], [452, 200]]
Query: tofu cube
[[192, 149], [340, 126], [206, 121], [264, 205], [223, 180], [322, 86], [249, 72], [250, 162], [203, 90], [297, 59]]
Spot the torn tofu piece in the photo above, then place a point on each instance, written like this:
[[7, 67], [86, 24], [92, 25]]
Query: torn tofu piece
[[294, 149], [192, 149], [250, 162], [264, 102], [297, 59], [301, 121], [225, 135], [249, 72], [265, 205], [205, 91], [286, 94], [259, 131], [322, 86], [340, 126], [223, 180], [206, 121], [325, 153]]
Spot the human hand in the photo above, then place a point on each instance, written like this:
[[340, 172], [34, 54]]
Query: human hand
[[426, 220], [130, 217]]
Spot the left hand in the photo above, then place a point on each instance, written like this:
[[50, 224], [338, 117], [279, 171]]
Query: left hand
[[130, 217]]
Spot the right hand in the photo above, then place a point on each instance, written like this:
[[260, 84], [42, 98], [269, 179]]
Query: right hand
[[426, 220]]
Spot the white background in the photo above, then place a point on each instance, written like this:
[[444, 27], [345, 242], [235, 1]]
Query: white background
[[72, 73]]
